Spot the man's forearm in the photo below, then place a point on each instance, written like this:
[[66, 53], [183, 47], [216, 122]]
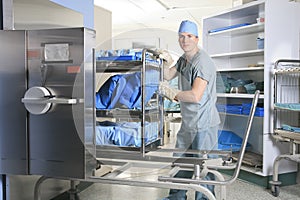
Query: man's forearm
[[187, 96], [169, 73]]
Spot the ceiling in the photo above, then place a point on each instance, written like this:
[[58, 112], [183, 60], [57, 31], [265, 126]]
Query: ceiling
[[130, 15]]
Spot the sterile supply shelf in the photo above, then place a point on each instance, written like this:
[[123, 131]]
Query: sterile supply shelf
[[236, 54], [231, 38], [241, 69], [238, 115], [239, 95], [248, 29], [231, 118]]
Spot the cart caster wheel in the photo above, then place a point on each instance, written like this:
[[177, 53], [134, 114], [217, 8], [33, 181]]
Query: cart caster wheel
[[73, 194], [98, 165], [74, 197], [275, 190]]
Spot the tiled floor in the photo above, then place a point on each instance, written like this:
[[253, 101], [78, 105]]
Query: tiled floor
[[239, 190]]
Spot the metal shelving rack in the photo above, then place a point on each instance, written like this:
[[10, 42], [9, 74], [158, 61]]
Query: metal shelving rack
[[286, 113], [139, 115]]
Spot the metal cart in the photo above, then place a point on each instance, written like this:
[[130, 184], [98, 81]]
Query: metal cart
[[286, 113], [150, 110], [153, 155], [126, 160]]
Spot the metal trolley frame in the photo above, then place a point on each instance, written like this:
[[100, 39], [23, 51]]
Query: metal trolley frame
[[151, 157], [286, 92]]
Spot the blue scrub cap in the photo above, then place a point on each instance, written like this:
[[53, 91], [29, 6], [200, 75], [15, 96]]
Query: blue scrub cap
[[188, 27]]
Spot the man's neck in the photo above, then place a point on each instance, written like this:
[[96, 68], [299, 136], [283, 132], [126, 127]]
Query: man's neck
[[190, 54]]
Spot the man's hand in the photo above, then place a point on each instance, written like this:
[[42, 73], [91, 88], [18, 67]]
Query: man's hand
[[168, 91], [167, 58]]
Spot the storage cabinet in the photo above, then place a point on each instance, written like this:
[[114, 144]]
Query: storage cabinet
[[244, 42]]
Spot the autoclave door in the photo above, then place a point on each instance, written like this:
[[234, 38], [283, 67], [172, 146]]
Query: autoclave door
[[60, 101]]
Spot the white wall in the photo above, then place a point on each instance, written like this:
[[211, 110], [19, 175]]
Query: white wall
[[38, 14], [159, 38], [103, 27]]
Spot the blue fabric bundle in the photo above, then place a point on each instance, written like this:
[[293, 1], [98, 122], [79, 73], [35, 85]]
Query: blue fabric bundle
[[289, 106], [131, 94], [109, 93], [290, 128], [228, 140], [124, 133], [124, 90]]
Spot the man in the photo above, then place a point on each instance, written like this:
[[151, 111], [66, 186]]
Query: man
[[197, 96]]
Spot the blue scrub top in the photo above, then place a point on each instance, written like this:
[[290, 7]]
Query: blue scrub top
[[203, 114]]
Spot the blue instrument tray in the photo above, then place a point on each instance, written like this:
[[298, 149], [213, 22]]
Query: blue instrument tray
[[259, 111], [228, 140], [230, 108]]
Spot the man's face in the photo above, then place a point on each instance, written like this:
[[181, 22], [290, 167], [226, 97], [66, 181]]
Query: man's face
[[188, 42]]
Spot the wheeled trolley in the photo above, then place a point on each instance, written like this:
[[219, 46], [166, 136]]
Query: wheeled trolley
[[286, 113], [159, 159]]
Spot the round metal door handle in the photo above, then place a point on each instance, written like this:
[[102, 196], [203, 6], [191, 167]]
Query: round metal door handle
[[35, 107]]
